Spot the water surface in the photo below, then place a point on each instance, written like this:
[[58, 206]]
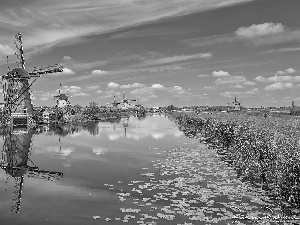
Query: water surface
[[129, 170]]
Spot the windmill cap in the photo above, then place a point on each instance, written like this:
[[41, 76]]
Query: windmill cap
[[19, 72]]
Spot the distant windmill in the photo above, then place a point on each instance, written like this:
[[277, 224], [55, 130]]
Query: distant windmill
[[115, 103], [126, 102]]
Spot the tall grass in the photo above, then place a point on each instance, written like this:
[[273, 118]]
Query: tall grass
[[263, 151]]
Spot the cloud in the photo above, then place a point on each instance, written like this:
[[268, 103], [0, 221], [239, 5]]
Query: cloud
[[220, 74], [280, 50], [250, 83], [177, 92], [67, 58], [81, 94], [178, 58], [66, 71], [230, 80], [6, 50], [71, 89], [157, 86], [278, 78], [134, 85], [256, 34], [64, 22], [238, 86], [289, 70], [113, 85], [210, 87], [178, 88], [279, 86], [99, 72], [258, 30], [93, 87], [229, 94], [156, 31]]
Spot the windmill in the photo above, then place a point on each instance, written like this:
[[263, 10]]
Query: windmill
[[18, 108], [115, 103], [126, 102], [15, 162], [62, 104]]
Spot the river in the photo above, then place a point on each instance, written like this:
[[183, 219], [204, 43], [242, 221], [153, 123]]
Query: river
[[132, 170]]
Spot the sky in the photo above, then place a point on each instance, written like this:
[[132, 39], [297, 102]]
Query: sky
[[160, 52]]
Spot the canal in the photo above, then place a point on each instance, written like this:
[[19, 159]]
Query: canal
[[130, 170]]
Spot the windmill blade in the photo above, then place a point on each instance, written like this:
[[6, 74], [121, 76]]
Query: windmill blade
[[19, 50]]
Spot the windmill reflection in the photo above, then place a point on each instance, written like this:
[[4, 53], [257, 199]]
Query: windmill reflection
[[16, 163]]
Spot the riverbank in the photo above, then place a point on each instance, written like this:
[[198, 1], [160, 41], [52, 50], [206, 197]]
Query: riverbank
[[263, 151]]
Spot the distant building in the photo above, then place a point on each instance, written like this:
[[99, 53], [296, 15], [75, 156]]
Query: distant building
[[236, 105]]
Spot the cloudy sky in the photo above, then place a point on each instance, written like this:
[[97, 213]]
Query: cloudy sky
[[161, 52]]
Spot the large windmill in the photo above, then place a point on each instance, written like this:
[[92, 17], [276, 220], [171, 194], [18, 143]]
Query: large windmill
[[15, 162], [18, 108]]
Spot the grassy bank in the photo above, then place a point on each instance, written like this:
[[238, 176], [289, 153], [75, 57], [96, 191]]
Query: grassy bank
[[263, 151]]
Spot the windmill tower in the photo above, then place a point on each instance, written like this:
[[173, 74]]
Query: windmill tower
[[18, 108]]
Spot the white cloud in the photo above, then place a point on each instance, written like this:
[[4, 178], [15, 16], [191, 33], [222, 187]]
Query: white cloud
[[54, 22], [93, 87], [250, 83], [281, 50], [134, 85], [238, 86], [257, 34], [157, 86], [220, 73], [229, 94], [178, 58], [99, 72], [278, 78], [65, 89], [81, 94], [67, 58], [71, 89], [231, 80], [258, 30], [6, 50], [279, 86], [178, 88], [210, 87], [113, 85], [287, 71]]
